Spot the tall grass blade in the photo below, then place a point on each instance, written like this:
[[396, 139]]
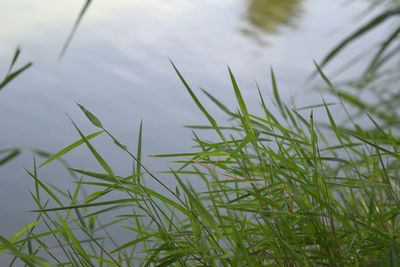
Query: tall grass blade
[[74, 28]]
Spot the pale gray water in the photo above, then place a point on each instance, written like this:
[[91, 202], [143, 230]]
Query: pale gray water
[[118, 67]]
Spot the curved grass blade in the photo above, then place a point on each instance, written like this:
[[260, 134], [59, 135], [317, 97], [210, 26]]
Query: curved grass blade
[[376, 21], [373, 66]]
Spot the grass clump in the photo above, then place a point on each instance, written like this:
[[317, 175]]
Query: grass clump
[[277, 189]]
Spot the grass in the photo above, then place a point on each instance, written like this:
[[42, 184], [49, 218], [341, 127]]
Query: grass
[[382, 56], [77, 22], [11, 73], [10, 153], [276, 189]]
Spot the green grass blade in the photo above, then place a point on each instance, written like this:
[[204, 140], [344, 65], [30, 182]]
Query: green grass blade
[[10, 156], [11, 76], [96, 204], [92, 118], [198, 103], [376, 21], [74, 28], [69, 148]]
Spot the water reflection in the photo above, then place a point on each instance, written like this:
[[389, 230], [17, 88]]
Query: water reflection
[[270, 15]]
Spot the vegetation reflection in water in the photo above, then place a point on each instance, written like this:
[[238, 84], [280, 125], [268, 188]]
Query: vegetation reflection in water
[[268, 16]]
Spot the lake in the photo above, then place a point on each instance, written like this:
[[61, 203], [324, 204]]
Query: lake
[[118, 67]]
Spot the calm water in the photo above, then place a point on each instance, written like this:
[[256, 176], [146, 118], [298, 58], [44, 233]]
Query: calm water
[[118, 67]]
